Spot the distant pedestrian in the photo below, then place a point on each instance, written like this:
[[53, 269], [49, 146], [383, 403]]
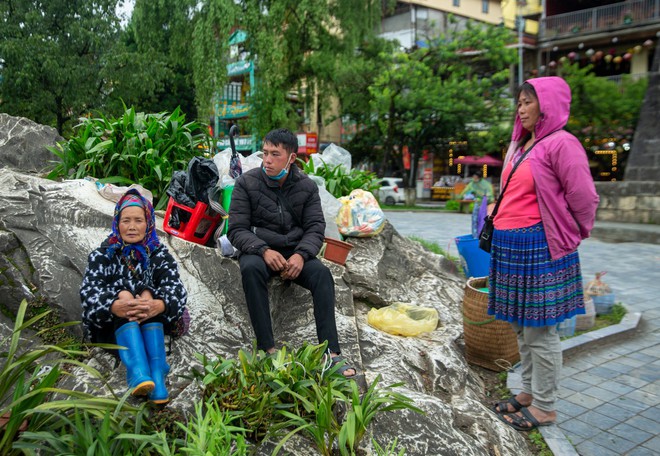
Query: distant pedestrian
[[479, 188], [535, 278]]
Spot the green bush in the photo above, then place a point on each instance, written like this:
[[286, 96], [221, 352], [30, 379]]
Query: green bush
[[452, 205], [278, 396], [135, 148], [340, 183]]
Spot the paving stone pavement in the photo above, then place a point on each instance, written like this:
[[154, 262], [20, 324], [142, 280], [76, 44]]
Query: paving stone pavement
[[609, 399]]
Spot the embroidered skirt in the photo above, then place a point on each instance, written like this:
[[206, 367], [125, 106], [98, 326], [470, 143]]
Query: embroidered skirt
[[526, 285]]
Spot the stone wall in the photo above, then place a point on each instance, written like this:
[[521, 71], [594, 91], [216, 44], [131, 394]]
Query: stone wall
[[629, 201]]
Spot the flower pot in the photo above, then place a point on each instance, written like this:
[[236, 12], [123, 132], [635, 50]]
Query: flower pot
[[4, 419], [336, 250]]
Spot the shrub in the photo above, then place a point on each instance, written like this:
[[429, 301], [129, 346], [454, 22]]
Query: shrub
[[136, 148], [340, 183], [278, 396]]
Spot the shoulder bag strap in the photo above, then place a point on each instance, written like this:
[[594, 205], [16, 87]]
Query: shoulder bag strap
[[499, 198]]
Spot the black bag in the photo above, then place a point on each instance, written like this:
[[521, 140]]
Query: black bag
[[486, 235]]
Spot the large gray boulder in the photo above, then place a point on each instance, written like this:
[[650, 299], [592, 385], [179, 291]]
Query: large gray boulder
[[50, 228], [23, 144]]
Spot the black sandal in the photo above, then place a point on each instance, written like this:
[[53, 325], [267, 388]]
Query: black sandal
[[503, 407], [524, 422], [343, 366]]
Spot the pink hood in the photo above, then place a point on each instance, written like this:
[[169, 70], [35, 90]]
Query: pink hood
[[555, 105]]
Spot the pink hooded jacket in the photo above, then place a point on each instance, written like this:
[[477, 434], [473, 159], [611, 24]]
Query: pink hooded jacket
[[564, 187]]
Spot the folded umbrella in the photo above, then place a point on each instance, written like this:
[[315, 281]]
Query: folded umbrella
[[235, 168]]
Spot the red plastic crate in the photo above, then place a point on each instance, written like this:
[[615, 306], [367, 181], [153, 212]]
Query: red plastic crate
[[188, 230]]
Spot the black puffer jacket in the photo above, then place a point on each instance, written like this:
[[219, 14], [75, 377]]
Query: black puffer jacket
[[258, 220]]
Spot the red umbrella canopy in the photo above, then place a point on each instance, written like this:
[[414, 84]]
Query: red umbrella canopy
[[475, 160]]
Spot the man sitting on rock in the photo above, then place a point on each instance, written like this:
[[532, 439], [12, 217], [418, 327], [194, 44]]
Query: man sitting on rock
[[276, 222]]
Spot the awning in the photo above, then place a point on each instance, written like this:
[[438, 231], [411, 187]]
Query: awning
[[476, 160]]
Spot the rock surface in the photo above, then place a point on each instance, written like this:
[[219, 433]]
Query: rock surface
[[50, 228], [23, 144]]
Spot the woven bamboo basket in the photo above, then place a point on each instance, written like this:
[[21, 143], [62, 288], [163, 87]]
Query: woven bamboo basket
[[489, 343]]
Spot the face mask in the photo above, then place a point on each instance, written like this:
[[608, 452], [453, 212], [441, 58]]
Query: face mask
[[279, 175]]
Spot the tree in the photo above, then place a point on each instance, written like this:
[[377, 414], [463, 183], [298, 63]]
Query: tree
[[162, 32], [53, 56], [604, 115], [295, 45], [433, 93]]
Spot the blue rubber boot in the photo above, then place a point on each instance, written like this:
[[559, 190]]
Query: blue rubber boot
[[154, 342], [134, 357]]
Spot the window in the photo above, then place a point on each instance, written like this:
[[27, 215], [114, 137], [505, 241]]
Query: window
[[457, 2], [484, 6]]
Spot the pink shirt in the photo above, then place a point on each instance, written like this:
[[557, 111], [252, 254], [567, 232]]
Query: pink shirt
[[519, 207]]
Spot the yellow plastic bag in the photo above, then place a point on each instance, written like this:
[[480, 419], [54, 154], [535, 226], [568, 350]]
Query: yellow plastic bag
[[403, 319]]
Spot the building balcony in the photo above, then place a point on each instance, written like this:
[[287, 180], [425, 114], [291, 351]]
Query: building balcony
[[603, 19]]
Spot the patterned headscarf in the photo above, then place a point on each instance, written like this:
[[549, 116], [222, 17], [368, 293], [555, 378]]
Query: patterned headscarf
[[143, 249]]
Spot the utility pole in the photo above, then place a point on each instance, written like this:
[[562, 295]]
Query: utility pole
[[521, 26]]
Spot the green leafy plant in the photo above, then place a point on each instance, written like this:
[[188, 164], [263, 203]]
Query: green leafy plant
[[257, 387], [211, 431], [134, 148], [340, 183], [27, 376], [364, 408], [389, 450], [80, 432], [277, 396]]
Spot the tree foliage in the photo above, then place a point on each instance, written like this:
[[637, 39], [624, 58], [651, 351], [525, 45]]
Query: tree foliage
[[295, 44], [423, 97], [601, 108], [53, 55], [161, 31]]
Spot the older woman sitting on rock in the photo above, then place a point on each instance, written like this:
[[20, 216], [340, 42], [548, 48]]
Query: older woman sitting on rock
[[132, 296]]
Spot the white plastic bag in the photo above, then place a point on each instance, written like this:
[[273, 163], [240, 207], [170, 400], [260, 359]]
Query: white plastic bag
[[332, 156], [222, 158]]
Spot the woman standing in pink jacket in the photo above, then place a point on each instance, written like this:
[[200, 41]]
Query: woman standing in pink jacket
[[548, 207]]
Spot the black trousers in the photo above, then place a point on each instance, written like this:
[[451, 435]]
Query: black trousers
[[315, 277]]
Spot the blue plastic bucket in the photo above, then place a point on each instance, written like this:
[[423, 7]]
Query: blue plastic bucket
[[476, 262], [603, 303], [567, 327]]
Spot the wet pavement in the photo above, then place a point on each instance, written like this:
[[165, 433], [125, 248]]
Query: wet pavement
[[609, 399]]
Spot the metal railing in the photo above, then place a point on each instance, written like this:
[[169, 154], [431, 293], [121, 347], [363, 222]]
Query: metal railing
[[601, 19], [619, 78]]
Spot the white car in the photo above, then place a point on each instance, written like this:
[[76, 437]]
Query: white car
[[391, 191]]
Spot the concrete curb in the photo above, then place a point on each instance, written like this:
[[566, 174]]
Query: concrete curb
[[553, 435]]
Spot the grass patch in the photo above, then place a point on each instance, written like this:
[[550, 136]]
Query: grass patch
[[603, 321], [536, 439], [434, 247]]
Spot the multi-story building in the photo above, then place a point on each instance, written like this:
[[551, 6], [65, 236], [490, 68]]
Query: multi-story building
[[412, 22], [616, 37]]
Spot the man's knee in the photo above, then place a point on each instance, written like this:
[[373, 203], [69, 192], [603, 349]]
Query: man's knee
[[252, 264]]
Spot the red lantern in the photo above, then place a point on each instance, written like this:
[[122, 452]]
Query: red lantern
[[598, 55]]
